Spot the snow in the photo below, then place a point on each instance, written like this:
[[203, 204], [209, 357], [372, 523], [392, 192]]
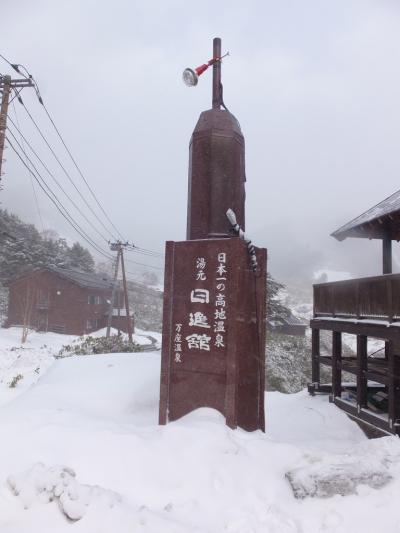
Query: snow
[[376, 347], [139, 338], [338, 476], [83, 442], [368, 321], [32, 359], [44, 484], [328, 275]]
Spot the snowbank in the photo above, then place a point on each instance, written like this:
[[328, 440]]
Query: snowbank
[[22, 364], [97, 418]]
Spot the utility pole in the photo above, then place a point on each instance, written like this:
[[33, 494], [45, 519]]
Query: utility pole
[[128, 318], [111, 307], [119, 248], [6, 86]]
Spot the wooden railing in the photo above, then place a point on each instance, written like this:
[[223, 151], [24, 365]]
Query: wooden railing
[[376, 298]]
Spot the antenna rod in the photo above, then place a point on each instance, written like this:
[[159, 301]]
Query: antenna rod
[[216, 97]]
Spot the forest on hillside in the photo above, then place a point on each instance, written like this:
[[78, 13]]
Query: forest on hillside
[[23, 247]]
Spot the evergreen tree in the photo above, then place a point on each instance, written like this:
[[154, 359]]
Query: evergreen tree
[[23, 248], [275, 308], [80, 258]]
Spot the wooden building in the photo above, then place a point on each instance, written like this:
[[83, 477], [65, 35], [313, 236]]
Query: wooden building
[[366, 308], [289, 325], [64, 301]]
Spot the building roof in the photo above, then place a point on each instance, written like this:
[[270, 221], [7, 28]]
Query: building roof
[[89, 280], [292, 320], [374, 223], [289, 320]]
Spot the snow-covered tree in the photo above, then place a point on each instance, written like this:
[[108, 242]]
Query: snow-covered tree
[[150, 278], [23, 248], [275, 308], [79, 257]]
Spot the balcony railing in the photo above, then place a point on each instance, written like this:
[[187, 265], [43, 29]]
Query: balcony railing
[[376, 298]]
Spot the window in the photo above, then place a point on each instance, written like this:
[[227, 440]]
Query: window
[[94, 299], [92, 324]]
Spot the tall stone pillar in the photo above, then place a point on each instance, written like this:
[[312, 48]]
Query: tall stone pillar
[[213, 347]]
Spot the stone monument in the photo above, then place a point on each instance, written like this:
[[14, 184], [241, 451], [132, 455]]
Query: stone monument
[[213, 344]]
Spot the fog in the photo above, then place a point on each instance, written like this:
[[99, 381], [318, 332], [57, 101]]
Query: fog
[[314, 84]]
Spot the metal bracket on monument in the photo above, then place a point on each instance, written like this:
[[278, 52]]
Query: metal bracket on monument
[[238, 230]]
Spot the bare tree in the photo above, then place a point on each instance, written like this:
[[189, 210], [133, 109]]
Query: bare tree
[[26, 306]]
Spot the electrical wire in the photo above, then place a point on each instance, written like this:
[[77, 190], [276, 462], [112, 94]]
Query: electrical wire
[[60, 207], [50, 194], [17, 67], [143, 251], [30, 175], [6, 60], [58, 183], [64, 169], [143, 264], [79, 170]]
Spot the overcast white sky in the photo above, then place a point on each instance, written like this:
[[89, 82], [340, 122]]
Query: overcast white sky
[[315, 85]]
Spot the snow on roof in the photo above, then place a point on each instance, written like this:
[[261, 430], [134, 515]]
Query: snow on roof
[[330, 275], [387, 207], [289, 320], [292, 320], [90, 280]]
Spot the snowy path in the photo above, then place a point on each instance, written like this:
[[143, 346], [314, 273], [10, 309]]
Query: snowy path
[[97, 415]]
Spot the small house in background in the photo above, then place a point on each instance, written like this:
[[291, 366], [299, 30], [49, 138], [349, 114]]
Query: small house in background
[[64, 301], [290, 325]]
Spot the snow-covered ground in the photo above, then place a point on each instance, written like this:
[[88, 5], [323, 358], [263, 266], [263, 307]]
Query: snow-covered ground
[[83, 442], [24, 363]]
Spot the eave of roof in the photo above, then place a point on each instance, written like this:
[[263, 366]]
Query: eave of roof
[[376, 222], [87, 280]]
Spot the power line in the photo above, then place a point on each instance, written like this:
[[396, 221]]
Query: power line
[[59, 206], [142, 264], [28, 76], [143, 251], [31, 179], [64, 169], [58, 183], [54, 199], [79, 170], [18, 68]]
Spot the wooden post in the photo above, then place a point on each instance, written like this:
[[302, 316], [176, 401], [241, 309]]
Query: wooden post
[[6, 86], [336, 364], [387, 253], [393, 384], [358, 310], [362, 367], [114, 288], [128, 316], [389, 299], [387, 350], [315, 352]]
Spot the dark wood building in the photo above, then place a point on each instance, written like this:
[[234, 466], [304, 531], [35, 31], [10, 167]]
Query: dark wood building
[[64, 301], [367, 308], [290, 325]]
